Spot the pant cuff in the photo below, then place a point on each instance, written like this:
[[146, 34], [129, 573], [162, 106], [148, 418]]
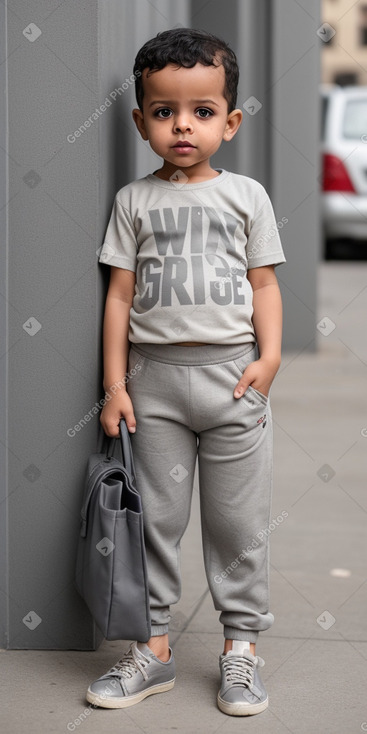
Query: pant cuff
[[158, 629], [232, 633]]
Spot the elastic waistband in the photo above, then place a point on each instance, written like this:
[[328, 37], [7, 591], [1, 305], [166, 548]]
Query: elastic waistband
[[205, 354]]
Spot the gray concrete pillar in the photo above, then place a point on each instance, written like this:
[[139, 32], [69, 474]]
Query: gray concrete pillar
[[293, 128], [65, 151]]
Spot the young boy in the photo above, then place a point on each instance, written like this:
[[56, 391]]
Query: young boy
[[193, 322]]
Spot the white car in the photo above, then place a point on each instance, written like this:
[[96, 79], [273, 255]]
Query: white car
[[344, 162]]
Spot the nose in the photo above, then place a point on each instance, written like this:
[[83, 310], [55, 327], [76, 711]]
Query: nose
[[182, 123]]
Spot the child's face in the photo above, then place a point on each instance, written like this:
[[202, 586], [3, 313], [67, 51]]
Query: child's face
[[188, 105]]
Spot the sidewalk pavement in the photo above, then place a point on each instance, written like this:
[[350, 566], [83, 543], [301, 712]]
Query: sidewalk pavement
[[316, 650]]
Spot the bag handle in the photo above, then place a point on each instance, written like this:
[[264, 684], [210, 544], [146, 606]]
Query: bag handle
[[127, 456]]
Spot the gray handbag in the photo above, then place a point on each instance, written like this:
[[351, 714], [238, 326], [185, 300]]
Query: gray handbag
[[111, 572]]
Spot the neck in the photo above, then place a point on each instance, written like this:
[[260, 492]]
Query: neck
[[188, 174]]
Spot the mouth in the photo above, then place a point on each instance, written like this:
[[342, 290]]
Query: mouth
[[183, 146]]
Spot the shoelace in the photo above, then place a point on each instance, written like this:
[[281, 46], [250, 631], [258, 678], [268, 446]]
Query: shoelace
[[129, 664], [239, 670]]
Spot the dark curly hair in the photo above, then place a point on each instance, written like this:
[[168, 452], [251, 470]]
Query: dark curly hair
[[186, 47]]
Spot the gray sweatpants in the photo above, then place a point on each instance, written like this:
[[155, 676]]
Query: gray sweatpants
[[184, 408]]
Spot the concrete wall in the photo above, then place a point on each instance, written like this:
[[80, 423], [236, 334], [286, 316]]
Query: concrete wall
[[3, 331], [59, 194], [56, 198], [53, 314], [293, 129]]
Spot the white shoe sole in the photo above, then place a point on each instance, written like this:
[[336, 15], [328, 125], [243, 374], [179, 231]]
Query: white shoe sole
[[124, 702], [241, 709]]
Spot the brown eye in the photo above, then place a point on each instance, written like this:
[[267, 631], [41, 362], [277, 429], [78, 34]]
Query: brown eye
[[204, 113], [163, 113]]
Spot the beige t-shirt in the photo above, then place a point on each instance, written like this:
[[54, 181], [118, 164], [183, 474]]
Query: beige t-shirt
[[190, 246]]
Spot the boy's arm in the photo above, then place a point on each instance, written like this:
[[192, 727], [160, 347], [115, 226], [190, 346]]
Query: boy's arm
[[116, 350], [267, 321]]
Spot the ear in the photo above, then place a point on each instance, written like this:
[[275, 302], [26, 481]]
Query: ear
[[234, 120], [138, 118]]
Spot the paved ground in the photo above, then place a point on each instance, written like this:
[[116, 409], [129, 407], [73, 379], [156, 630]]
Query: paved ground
[[316, 651]]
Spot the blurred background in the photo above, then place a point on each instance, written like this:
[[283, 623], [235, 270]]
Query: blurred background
[[343, 129], [67, 144]]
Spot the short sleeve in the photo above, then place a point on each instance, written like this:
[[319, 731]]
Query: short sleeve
[[119, 247], [263, 245]]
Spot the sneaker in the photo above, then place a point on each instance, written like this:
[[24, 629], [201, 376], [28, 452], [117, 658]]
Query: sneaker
[[242, 692], [137, 675]]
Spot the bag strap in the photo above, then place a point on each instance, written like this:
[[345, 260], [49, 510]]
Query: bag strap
[[126, 452], [102, 440]]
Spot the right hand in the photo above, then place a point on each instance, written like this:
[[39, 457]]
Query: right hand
[[120, 406]]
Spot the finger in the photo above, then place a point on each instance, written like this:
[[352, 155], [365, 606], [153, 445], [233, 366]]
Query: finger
[[127, 413], [130, 421], [240, 388], [110, 429], [112, 426]]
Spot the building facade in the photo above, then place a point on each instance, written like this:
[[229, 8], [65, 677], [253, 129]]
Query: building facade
[[344, 52]]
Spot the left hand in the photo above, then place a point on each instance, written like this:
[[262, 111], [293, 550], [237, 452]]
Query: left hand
[[259, 374]]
